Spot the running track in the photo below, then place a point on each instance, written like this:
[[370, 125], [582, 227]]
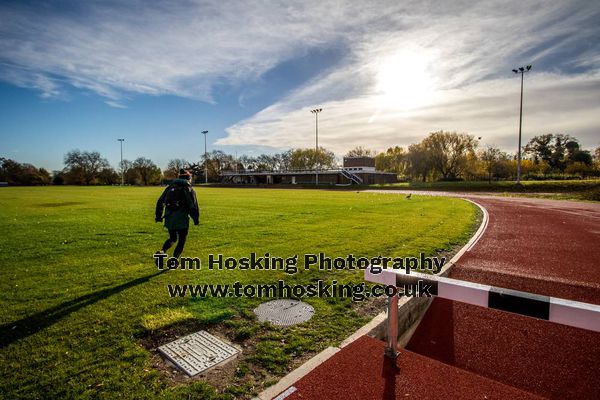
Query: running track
[[461, 351]]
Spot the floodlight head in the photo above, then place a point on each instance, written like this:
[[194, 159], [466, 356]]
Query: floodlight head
[[528, 67], [521, 69], [205, 132], [515, 71]]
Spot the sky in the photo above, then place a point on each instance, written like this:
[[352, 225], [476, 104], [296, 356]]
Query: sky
[[80, 75]]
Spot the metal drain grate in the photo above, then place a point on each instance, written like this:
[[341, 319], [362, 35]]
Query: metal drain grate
[[284, 312], [198, 352]]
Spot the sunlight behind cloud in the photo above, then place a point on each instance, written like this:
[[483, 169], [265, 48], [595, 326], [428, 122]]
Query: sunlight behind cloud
[[446, 70], [404, 81]]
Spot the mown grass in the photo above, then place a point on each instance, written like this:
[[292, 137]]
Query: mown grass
[[587, 190], [501, 186], [79, 290]]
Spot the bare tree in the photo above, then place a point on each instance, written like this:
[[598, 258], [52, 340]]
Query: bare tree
[[490, 157], [84, 166], [148, 172], [360, 151], [174, 166]]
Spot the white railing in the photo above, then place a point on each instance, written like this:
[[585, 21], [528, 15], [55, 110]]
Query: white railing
[[561, 311]]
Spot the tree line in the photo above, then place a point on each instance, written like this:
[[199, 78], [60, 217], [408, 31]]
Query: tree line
[[450, 156], [441, 155]]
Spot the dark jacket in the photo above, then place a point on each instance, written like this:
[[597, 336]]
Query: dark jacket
[[178, 219]]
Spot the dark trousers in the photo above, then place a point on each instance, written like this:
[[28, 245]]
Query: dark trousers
[[176, 235]]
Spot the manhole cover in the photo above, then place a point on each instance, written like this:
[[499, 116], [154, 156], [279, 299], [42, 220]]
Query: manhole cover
[[284, 312], [198, 352]]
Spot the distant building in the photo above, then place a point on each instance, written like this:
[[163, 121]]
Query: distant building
[[356, 170]]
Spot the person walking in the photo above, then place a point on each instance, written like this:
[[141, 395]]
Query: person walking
[[179, 204]]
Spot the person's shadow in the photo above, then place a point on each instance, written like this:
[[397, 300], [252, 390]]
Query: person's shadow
[[13, 331]]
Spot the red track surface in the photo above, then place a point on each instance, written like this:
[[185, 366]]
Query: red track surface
[[462, 351], [539, 246], [360, 372]]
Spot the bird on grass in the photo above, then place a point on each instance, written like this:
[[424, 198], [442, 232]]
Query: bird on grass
[[408, 196]]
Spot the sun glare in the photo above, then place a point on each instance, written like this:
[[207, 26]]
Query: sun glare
[[403, 81]]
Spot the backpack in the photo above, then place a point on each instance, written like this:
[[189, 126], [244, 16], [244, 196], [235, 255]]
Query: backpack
[[175, 198]]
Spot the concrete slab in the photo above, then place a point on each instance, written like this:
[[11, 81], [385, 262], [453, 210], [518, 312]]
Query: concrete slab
[[198, 352]]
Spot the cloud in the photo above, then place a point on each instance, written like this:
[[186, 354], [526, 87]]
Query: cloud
[[488, 109], [183, 48], [48, 87], [115, 104], [462, 60], [411, 67]]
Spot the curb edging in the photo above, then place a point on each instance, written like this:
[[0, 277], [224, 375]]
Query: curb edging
[[410, 312]]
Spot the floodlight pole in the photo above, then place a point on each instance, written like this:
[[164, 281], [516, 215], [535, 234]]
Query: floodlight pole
[[205, 159], [122, 171], [316, 111], [522, 71]]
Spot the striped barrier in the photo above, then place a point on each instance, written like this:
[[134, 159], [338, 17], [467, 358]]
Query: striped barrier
[[561, 311]]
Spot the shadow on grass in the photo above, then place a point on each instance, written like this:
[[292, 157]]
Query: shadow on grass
[[13, 331]]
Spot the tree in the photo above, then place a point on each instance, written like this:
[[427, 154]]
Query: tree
[[312, 159], [540, 147], [15, 173], [418, 164], [579, 168], [270, 162], [216, 161], [360, 151], [557, 150], [576, 155], [172, 171], [10, 171], [197, 170], [267, 162], [148, 172], [58, 178], [393, 159], [285, 160], [490, 157], [448, 152], [108, 176], [34, 176], [130, 174], [83, 167]]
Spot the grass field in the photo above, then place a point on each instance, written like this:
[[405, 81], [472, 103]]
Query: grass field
[[588, 190], [82, 304], [503, 186]]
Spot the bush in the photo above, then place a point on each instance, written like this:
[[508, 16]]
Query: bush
[[593, 195], [551, 177]]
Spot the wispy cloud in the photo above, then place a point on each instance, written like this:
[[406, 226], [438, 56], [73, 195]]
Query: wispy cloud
[[460, 57], [115, 104], [182, 48], [459, 54]]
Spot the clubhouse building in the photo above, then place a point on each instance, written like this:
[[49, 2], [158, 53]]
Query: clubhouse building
[[355, 170]]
